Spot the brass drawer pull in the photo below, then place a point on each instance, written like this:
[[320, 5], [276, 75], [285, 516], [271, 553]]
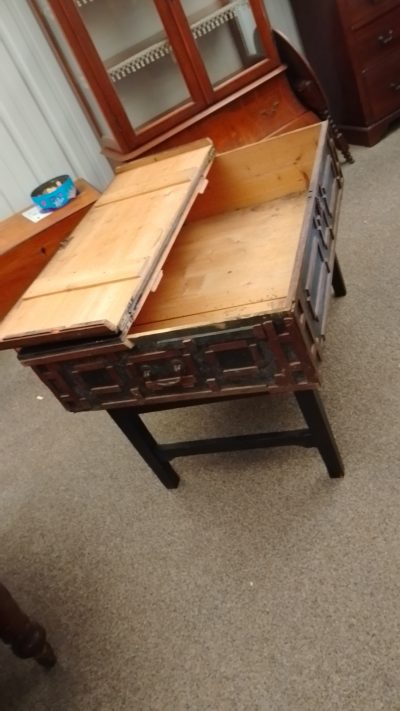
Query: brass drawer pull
[[386, 38], [165, 383], [395, 85]]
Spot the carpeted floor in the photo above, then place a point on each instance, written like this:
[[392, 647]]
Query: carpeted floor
[[260, 584]]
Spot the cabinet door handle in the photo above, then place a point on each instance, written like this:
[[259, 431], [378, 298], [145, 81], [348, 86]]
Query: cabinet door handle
[[395, 85], [386, 38]]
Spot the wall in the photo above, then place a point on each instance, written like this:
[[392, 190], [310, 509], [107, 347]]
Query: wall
[[281, 18], [43, 131]]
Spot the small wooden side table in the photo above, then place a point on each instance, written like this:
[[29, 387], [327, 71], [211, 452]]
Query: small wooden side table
[[26, 247]]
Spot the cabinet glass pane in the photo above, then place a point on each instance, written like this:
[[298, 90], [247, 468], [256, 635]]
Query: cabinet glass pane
[[73, 65], [133, 45], [226, 36]]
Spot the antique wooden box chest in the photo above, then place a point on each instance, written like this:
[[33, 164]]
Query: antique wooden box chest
[[240, 304], [194, 277]]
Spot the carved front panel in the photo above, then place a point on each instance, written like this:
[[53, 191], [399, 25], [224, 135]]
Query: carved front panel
[[319, 253], [265, 356], [52, 375]]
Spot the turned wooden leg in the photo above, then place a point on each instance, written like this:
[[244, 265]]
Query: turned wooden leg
[[134, 429], [26, 638], [313, 410]]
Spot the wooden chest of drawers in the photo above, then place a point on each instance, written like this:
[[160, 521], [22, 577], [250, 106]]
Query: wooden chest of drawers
[[197, 289], [354, 47]]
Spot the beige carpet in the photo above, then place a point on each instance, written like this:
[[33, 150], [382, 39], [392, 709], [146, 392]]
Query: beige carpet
[[259, 585]]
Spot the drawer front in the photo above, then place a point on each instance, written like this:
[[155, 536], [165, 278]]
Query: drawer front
[[319, 253], [362, 11], [382, 86], [378, 38], [265, 356]]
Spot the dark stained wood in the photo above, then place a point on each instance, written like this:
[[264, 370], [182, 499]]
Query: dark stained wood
[[353, 46], [363, 11], [265, 356], [378, 38], [338, 284], [26, 247], [382, 87], [157, 456], [26, 637], [370, 135], [133, 428], [311, 405]]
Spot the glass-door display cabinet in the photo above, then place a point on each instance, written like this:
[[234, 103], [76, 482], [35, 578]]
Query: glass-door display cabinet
[[146, 69]]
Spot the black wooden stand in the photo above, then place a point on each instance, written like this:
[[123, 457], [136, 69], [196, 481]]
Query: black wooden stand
[[317, 434], [339, 287]]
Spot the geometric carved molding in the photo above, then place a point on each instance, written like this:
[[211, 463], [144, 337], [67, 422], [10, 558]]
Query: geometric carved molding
[[266, 356]]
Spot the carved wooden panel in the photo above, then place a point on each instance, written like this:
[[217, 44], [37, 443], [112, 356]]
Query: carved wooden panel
[[52, 376], [263, 356]]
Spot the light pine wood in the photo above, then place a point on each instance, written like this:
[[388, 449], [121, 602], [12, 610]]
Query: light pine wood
[[114, 243], [169, 153], [172, 170], [113, 257], [259, 172], [211, 318], [229, 265], [235, 256]]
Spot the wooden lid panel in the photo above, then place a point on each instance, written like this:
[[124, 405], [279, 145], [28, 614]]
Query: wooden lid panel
[[100, 279]]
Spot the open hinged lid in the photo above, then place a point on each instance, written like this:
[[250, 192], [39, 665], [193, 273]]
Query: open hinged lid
[[98, 282]]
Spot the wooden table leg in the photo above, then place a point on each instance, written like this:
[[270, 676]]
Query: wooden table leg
[[339, 287], [26, 638], [313, 410], [133, 428]]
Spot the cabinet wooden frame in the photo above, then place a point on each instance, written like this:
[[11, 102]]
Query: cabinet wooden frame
[[361, 78], [126, 137]]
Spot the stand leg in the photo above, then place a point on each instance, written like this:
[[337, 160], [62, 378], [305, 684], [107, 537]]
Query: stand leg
[[314, 414], [339, 287], [340, 140], [134, 429], [27, 638]]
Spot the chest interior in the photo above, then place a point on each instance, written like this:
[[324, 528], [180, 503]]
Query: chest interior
[[236, 253], [187, 239]]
